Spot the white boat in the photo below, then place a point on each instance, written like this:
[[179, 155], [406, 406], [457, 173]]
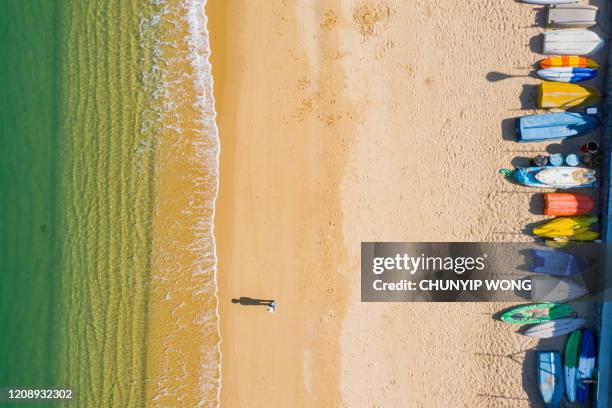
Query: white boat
[[572, 16], [549, 2], [552, 289], [555, 328], [571, 42]]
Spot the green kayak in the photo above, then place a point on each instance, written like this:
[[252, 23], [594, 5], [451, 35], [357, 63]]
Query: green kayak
[[537, 313]]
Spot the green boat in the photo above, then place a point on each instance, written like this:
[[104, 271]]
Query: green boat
[[537, 313]]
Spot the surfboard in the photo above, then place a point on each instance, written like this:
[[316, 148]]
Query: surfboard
[[555, 328], [571, 42], [586, 366], [551, 126], [549, 376], [537, 313], [565, 176], [570, 364], [568, 61], [572, 16], [553, 289], [567, 74]]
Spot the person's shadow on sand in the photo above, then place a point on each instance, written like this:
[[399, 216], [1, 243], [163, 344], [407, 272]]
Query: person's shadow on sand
[[247, 301]]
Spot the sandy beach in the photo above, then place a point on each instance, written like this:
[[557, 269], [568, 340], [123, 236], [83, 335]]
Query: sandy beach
[[350, 121]]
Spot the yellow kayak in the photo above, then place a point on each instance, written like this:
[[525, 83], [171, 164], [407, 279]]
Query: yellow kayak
[[565, 95], [568, 228]]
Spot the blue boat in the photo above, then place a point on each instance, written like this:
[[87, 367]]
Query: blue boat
[[567, 74], [556, 263], [586, 366], [551, 126], [557, 177], [549, 375]]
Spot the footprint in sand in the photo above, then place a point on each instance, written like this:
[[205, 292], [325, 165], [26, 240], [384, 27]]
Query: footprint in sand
[[368, 16]]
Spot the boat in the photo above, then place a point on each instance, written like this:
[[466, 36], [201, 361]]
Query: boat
[[567, 74], [567, 204], [551, 126], [568, 229], [549, 376], [555, 262], [568, 61], [548, 2], [586, 366], [571, 16], [564, 95], [555, 328], [555, 177], [554, 289], [571, 42], [570, 364], [537, 313]]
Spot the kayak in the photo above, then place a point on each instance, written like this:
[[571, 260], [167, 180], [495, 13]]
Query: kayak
[[537, 313], [568, 228], [572, 16], [586, 366], [558, 125], [555, 177], [570, 364], [567, 74], [567, 204], [555, 263], [571, 42], [548, 2], [555, 328], [549, 376], [568, 61], [564, 95], [553, 289]]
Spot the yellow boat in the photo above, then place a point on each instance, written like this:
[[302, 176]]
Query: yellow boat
[[568, 229], [565, 95]]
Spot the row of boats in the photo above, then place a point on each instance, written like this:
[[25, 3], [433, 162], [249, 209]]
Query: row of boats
[[568, 374]]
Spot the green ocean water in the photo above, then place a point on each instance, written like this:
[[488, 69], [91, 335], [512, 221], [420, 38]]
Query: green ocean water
[[77, 152]]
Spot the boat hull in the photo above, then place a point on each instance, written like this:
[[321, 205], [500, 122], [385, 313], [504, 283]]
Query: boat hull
[[554, 126], [549, 378]]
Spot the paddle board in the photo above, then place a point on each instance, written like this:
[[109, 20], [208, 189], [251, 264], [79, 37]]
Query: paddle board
[[586, 366], [558, 125], [567, 74], [568, 61], [553, 289], [571, 42], [570, 364], [565, 177], [537, 313], [549, 377], [555, 328]]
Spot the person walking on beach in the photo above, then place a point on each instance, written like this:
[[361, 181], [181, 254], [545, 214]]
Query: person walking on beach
[[247, 301]]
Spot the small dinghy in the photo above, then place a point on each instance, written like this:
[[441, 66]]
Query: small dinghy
[[571, 42], [551, 126], [586, 366], [549, 376], [567, 74], [570, 365], [567, 204], [555, 328], [564, 95], [548, 2], [568, 61], [537, 313], [555, 263], [572, 16], [552, 289], [555, 177]]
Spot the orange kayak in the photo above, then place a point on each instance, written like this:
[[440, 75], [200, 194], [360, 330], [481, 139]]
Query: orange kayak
[[568, 61], [567, 204]]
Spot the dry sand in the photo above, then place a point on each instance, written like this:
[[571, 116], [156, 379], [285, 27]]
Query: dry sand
[[349, 121]]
